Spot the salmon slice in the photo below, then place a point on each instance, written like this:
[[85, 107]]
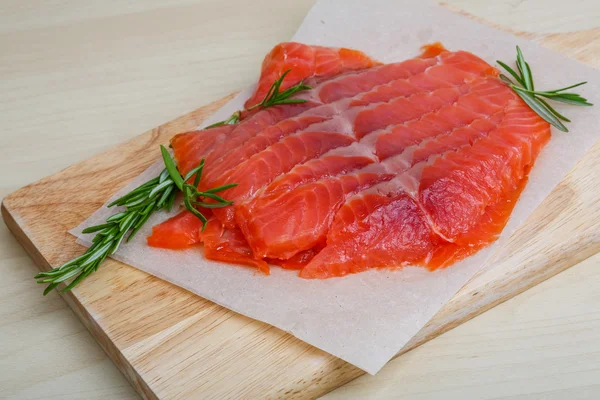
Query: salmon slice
[[305, 61], [178, 232], [190, 147], [399, 218], [229, 245]]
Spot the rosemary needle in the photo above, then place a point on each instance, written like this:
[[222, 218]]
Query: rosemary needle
[[537, 100]]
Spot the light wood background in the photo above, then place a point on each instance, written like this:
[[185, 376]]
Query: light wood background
[[75, 75]]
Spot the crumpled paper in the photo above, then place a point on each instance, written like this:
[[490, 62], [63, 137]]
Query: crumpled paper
[[367, 318]]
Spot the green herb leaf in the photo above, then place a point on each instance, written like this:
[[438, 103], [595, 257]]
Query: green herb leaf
[[221, 188], [552, 110], [171, 167], [512, 72], [525, 89]]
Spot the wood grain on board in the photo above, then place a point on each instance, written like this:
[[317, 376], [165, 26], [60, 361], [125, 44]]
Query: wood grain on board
[[173, 344]]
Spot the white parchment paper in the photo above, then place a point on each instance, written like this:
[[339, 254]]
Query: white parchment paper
[[366, 319]]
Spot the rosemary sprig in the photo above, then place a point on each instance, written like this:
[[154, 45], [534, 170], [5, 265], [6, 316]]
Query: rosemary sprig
[[156, 194], [525, 89], [272, 98], [192, 197]]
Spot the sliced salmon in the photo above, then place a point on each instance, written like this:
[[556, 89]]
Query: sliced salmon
[[178, 232], [411, 163]]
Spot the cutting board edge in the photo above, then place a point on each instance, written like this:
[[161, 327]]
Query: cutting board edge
[[99, 335]]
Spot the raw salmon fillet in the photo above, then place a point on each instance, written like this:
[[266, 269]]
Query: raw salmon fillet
[[412, 163]]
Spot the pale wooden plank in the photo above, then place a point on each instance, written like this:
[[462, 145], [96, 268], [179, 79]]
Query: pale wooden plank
[[16, 112]]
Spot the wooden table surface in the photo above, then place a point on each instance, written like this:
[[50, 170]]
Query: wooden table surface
[[78, 77]]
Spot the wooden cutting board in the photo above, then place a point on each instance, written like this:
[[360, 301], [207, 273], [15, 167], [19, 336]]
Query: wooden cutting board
[[172, 344]]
